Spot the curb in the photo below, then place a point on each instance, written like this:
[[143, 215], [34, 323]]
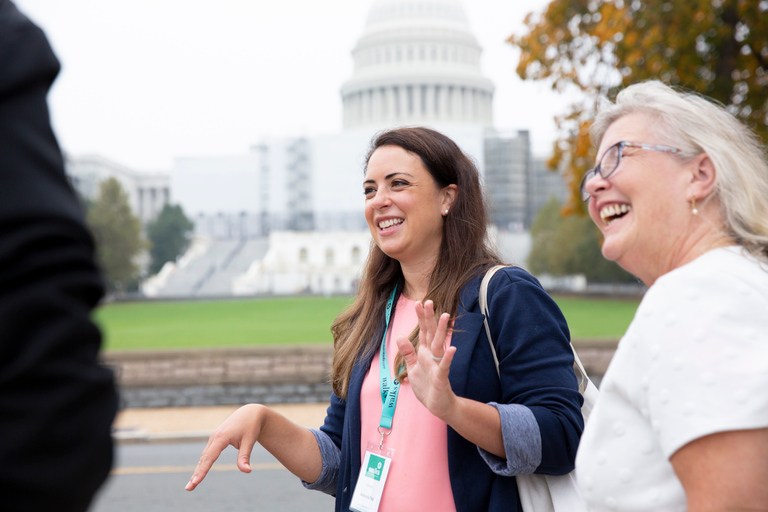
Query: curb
[[139, 436]]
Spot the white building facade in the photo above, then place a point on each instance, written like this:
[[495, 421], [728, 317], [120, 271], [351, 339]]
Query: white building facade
[[417, 62], [147, 193], [320, 263]]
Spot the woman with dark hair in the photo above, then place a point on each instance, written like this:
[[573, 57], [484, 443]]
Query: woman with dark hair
[[442, 429]]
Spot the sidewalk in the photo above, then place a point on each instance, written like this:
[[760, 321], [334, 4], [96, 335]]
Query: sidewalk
[[178, 424]]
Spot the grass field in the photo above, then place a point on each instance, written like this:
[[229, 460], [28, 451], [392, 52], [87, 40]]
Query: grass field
[[597, 318], [229, 323]]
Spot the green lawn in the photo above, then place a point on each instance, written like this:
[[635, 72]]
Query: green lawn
[[147, 325], [226, 323], [597, 318]]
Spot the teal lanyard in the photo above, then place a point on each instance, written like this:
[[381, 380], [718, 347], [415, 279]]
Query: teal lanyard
[[389, 386]]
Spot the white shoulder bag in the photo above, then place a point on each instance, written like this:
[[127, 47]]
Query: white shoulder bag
[[546, 493]]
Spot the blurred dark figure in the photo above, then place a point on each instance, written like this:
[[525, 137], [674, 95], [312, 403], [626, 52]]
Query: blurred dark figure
[[56, 403]]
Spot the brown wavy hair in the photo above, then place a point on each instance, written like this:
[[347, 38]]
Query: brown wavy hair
[[465, 252]]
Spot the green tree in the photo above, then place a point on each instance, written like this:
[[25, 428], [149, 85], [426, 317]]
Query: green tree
[[568, 245], [169, 236], [597, 47], [118, 236]]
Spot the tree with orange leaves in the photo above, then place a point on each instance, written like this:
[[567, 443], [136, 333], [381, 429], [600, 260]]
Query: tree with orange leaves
[[715, 47]]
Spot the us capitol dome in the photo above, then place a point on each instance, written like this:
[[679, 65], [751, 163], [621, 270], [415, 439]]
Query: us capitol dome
[[417, 62], [287, 217]]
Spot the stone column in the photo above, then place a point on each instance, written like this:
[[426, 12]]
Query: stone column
[[417, 103], [430, 114], [458, 104], [345, 107], [466, 104], [351, 118], [152, 202], [376, 116], [401, 102], [367, 106], [360, 108], [448, 103]]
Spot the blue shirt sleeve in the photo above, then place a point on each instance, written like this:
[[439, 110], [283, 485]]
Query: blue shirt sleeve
[[331, 455], [522, 442], [329, 438]]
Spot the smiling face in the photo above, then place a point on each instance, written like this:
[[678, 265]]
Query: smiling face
[[642, 208], [404, 206]]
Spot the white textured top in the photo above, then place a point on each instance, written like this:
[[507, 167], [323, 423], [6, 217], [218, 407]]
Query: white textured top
[[693, 362]]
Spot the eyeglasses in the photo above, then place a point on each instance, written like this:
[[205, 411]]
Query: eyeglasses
[[611, 160]]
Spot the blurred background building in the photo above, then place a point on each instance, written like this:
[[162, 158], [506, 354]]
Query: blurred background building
[[147, 193], [416, 63]]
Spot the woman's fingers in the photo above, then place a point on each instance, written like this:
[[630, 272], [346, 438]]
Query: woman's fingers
[[445, 364], [438, 341], [405, 348], [240, 430], [421, 317], [210, 454], [432, 332], [244, 454], [429, 319]]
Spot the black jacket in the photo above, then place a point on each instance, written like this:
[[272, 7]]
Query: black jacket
[[56, 403]]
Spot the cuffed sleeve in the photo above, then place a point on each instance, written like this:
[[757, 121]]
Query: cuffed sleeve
[[522, 441], [331, 455]]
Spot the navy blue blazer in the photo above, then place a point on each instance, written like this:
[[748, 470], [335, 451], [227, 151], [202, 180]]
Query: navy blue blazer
[[536, 366]]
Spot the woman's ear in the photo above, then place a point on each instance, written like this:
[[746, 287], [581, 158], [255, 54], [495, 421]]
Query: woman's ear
[[703, 174], [449, 196]]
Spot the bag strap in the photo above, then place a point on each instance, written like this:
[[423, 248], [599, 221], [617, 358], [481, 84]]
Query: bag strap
[[483, 299], [578, 368]]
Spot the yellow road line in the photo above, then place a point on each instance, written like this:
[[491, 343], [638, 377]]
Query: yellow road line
[[148, 470]]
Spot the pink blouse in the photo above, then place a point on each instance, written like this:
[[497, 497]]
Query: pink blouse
[[418, 477]]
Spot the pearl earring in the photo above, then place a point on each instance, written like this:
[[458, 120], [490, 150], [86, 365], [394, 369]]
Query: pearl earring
[[694, 210], [445, 212]]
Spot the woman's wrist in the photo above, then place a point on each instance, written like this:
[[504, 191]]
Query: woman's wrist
[[454, 411]]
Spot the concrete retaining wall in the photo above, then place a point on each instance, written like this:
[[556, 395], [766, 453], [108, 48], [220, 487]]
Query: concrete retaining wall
[[272, 374]]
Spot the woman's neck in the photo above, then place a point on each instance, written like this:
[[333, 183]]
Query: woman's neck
[[416, 278], [690, 248]]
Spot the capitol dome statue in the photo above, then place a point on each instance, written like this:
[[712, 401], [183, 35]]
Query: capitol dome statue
[[417, 63]]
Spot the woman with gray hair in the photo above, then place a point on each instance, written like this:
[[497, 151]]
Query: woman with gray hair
[[680, 192]]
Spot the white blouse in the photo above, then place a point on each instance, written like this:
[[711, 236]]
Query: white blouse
[[693, 362]]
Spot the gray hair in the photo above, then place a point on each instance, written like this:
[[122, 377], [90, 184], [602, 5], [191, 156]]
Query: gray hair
[[698, 125]]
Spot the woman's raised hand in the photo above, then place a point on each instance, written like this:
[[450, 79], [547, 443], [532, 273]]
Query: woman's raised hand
[[240, 430], [428, 366]]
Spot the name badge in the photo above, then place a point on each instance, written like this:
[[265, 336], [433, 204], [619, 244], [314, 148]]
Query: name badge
[[373, 476]]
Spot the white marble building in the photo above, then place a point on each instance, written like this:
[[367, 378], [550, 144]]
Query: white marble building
[[147, 193], [307, 262], [417, 62]]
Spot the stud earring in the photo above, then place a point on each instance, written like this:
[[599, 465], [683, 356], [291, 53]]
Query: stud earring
[[694, 210], [445, 212]]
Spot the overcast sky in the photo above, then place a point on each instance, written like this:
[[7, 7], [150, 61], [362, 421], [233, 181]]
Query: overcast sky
[[146, 81]]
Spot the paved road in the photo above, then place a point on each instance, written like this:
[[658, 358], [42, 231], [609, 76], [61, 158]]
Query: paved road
[[151, 478]]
